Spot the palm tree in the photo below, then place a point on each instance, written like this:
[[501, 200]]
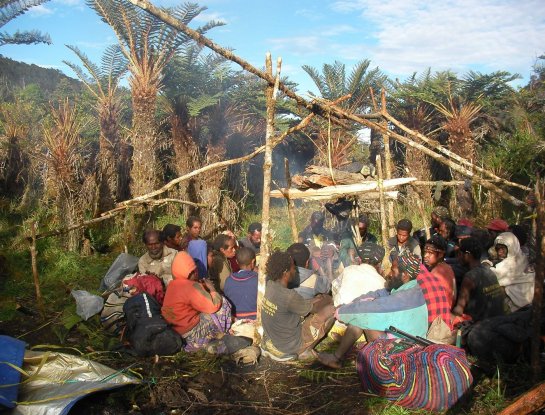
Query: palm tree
[[102, 82], [148, 45], [14, 157], [334, 145], [416, 114], [461, 112], [211, 110], [64, 179]]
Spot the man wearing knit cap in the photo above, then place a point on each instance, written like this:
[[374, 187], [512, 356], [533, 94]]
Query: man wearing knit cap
[[401, 304]]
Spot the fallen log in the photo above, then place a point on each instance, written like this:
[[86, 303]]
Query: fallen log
[[528, 403], [339, 176]]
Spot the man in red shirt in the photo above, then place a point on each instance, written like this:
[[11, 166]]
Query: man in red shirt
[[434, 259]]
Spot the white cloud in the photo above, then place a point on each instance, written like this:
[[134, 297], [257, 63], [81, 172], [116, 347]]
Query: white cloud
[[94, 45], [309, 14], [412, 35], [298, 45], [342, 29], [205, 17], [40, 10]]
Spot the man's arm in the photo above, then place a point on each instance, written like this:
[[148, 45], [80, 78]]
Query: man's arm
[[142, 265], [206, 299], [463, 298], [298, 305]]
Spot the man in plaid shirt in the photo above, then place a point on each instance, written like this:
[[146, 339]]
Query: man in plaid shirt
[[436, 296]]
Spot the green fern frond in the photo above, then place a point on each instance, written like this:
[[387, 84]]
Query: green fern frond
[[30, 37], [319, 376], [316, 78], [197, 105], [10, 9]]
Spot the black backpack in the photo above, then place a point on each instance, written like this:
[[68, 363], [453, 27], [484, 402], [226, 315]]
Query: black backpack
[[147, 331]]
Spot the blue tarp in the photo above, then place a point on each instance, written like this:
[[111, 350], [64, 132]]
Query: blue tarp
[[11, 351]]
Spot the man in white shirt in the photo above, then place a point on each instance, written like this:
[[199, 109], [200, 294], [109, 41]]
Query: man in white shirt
[[360, 279]]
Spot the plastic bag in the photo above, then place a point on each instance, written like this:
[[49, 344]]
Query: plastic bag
[[124, 264], [87, 304]]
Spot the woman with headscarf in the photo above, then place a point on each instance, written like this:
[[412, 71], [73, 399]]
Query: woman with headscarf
[[513, 272], [194, 308]]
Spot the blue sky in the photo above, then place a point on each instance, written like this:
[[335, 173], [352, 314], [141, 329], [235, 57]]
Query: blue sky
[[399, 36]]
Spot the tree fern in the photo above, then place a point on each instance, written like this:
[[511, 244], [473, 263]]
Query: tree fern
[[9, 10], [197, 105]]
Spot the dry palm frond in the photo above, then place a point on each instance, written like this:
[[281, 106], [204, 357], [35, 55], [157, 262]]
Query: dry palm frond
[[63, 167], [458, 120], [61, 140]]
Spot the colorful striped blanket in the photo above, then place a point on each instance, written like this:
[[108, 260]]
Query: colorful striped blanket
[[433, 378]]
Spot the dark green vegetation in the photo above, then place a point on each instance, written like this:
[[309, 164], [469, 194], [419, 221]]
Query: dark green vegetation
[[71, 150]]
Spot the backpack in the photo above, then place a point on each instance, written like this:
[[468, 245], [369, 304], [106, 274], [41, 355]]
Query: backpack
[[432, 378], [112, 316], [147, 331]]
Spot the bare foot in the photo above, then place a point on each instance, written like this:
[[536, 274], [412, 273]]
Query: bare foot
[[330, 360], [308, 355]]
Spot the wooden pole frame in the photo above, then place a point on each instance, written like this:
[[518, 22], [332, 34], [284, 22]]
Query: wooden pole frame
[[383, 219], [35, 276], [266, 241], [291, 204], [537, 302], [338, 115]]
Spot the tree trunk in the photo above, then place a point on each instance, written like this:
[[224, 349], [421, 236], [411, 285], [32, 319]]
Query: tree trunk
[[145, 169], [70, 209], [465, 204], [187, 158], [209, 192], [266, 242], [108, 141]]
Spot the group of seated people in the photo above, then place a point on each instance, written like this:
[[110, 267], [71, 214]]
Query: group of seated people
[[434, 280]]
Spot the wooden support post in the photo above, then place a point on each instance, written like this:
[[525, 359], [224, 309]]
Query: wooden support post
[[387, 165], [291, 204], [266, 242], [537, 303], [424, 217], [383, 225], [34, 261]]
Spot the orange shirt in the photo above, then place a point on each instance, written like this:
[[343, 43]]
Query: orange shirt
[[184, 301]]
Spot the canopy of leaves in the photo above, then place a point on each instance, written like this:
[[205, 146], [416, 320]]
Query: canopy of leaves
[[148, 43]]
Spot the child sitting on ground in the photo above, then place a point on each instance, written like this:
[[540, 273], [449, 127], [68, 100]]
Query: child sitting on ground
[[241, 287]]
